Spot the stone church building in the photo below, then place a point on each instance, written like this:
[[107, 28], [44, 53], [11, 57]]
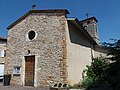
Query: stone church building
[[45, 47]]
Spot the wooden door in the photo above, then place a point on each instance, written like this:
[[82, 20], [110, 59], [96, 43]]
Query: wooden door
[[29, 70]]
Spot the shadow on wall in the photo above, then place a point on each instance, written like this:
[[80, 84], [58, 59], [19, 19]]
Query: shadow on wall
[[77, 37]]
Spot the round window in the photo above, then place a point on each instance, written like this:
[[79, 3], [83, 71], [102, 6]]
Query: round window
[[31, 35]]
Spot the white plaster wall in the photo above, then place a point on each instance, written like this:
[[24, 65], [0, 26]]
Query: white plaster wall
[[100, 52], [78, 56]]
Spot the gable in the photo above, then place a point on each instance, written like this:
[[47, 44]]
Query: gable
[[60, 11]]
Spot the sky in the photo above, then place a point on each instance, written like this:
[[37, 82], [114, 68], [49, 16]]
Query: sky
[[107, 13]]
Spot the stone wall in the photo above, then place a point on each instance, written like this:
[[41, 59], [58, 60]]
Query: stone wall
[[49, 48], [91, 26], [2, 47]]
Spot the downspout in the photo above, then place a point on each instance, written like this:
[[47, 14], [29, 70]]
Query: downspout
[[91, 47]]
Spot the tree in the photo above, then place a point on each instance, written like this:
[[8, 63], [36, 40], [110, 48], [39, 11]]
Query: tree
[[114, 70], [113, 49], [103, 72], [96, 73]]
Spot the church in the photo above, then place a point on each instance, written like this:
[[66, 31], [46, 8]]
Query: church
[[45, 47]]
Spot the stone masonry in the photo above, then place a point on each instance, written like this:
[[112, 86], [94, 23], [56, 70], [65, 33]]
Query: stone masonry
[[3, 42], [91, 26], [49, 47]]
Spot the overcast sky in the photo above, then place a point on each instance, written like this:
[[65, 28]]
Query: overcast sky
[[106, 11]]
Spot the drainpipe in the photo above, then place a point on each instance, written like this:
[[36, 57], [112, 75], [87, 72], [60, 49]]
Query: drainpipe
[[91, 47]]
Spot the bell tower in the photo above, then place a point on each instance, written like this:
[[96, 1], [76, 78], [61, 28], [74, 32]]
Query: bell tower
[[90, 24]]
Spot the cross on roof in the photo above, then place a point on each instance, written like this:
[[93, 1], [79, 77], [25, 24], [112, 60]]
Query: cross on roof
[[33, 6], [87, 15]]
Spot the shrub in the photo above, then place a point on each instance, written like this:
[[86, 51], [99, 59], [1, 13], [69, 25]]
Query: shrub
[[96, 73], [65, 85], [75, 86], [55, 85], [60, 84]]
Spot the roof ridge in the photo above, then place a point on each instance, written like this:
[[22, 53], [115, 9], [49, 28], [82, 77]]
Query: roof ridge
[[2, 37], [89, 19], [63, 11]]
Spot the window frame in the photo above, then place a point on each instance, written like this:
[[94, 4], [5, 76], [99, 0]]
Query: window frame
[[16, 71], [27, 35]]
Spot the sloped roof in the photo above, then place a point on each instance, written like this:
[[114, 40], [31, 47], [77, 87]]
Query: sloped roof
[[64, 11], [3, 38], [89, 19], [76, 22]]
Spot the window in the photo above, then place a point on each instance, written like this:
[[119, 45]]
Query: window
[[16, 70], [31, 35], [88, 22], [3, 42], [3, 53]]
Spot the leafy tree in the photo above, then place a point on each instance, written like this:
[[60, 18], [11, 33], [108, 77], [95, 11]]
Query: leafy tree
[[96, 73], [114, 70], [113, 49], [102, 72]]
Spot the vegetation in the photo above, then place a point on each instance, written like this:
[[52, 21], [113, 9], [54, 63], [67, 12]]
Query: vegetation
[[114, 70], [75, 86], [103, 71], [60, 85], [113, 50], [96, 73]]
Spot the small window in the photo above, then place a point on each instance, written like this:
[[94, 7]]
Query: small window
[[3, 53], [16, 70], [88, 22], [4, 43], [31, 35]]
